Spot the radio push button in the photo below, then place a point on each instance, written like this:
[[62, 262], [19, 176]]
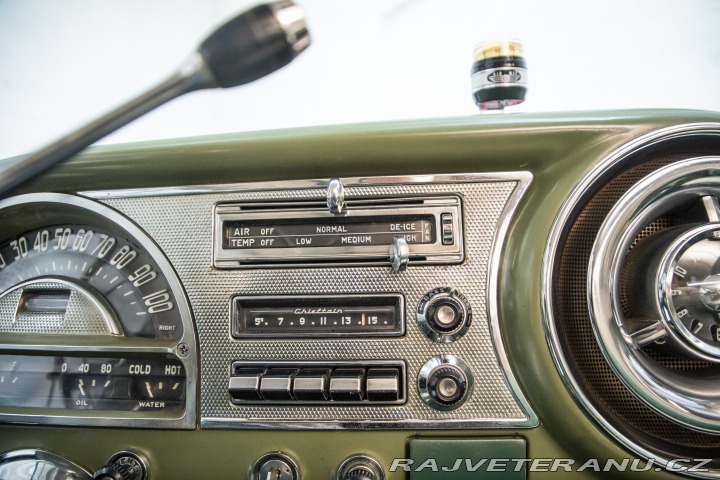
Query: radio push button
[[383, 384], [276, 384], [346, 384], [311, 384], [245, 384]]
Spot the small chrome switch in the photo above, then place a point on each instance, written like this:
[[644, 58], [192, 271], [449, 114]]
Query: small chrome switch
[[336, 196]]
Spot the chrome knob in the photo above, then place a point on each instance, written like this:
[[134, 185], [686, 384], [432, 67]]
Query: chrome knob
[[336, 196], [360, 467], [275, 466], [399, 254]]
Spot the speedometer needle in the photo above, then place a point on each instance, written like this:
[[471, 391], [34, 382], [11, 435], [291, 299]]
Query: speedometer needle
[[702, 284]]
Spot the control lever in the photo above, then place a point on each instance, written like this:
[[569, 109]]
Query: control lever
[[250, 46]]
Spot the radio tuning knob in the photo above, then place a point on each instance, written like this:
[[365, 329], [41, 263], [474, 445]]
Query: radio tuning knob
[[444, 314], [399, 254], [336, 196], [445, 382]]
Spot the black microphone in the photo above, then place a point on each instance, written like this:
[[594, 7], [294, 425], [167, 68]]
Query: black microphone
[[250, 46]]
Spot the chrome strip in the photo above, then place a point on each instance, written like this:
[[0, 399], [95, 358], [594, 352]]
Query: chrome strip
[[105, 418], [548, 265], [302, 184], [523, 179]]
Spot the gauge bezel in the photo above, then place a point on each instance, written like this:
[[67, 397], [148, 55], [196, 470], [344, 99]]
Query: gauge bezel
[[27, 212], [675, 327]]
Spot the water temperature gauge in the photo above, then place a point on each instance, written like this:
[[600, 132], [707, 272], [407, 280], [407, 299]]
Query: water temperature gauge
[[82, 383]]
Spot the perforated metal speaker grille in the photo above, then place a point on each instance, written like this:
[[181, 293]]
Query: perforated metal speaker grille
[[609, 395]]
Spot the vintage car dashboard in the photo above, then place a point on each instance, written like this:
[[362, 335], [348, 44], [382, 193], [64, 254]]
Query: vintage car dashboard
[[356, 302]]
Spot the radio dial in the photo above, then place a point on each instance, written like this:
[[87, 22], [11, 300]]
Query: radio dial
[[445, 382], [444, 314]]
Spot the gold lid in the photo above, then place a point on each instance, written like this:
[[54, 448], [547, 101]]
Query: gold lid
[[497, 48]]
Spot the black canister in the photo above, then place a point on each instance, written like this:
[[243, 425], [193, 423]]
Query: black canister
[[499, 75]]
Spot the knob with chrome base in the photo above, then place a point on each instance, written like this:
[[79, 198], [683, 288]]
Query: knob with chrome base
[[444, 314], [445, 382], [447, 385], [360, 467], [275, 466]]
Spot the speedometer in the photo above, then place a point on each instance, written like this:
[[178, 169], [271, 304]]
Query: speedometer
[[93, 320], [59, 272]]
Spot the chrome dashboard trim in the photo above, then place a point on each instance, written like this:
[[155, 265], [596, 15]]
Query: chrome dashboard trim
[[567, 209], [523, 180], [321, 183], [100, 418]]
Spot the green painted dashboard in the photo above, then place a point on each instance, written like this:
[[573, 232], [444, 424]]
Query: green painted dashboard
[[559, 150]]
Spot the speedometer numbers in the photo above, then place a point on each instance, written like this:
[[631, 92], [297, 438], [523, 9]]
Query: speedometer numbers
[[694, 300], [120, 275]]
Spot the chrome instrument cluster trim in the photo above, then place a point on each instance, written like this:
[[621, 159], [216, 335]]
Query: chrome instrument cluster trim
[[108, 418], [135, 202], [568, 208]]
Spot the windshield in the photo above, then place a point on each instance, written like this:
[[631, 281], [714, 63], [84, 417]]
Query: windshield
[[64, 63]]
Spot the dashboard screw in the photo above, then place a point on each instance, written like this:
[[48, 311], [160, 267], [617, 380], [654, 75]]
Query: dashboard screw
[[183, 350]]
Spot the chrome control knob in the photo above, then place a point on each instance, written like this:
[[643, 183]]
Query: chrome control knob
[[447, 385], [360, 467], [275, 466], [444, 314], [445, 382]]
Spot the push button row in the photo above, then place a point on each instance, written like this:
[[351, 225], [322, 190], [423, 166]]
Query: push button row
[[316, 384]]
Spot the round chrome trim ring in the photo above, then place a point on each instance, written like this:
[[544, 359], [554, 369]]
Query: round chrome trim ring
[[685, 400], [548, 266]]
